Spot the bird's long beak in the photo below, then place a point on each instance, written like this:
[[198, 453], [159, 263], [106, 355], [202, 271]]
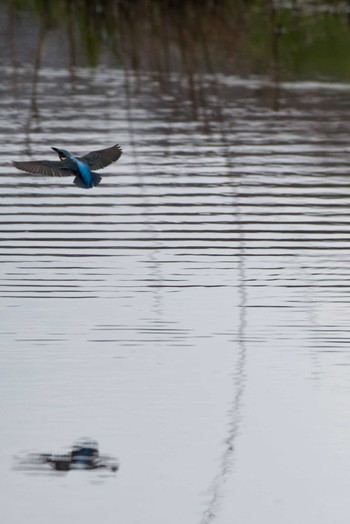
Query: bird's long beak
[[59, 152]]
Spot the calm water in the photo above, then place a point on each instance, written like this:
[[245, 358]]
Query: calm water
[[191, 313]]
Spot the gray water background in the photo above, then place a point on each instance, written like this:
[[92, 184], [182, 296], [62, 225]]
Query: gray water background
[[191, 313]]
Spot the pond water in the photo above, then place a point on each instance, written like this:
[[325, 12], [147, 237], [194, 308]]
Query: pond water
[[191, 313]]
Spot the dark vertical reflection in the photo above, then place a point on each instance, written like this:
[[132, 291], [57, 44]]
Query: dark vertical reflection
[[72, 51], [234, 414], [34, 116], [276, 33], [11, 36], [130, 85]]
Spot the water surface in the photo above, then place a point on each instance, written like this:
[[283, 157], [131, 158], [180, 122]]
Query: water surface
[[191, 313]]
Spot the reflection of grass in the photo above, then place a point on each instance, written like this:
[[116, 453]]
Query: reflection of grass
[[325, 49], [308, 45], [228, 36]]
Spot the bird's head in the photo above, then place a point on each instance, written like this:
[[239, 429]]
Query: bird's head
[[62, 153]]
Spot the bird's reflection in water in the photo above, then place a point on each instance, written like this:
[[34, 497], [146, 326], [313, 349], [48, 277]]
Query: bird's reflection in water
[[83, 455]]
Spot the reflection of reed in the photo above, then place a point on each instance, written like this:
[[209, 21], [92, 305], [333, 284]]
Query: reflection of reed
[[239, 376], [235, 411], [168, 36], [33, 111], [72, 52], [11, 45], [276, 32]]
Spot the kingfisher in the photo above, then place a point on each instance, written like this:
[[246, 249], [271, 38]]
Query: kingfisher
[[79, 167]]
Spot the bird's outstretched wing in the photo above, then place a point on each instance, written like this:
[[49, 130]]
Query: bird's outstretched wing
[[46, 167], [102, 157]]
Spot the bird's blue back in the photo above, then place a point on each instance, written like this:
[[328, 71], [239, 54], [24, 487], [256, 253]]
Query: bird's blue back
[[82, 169]]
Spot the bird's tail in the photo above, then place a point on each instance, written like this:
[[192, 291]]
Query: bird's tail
[[96, 179]]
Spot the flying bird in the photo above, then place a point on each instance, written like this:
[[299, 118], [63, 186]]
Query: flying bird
[[79, 167]]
